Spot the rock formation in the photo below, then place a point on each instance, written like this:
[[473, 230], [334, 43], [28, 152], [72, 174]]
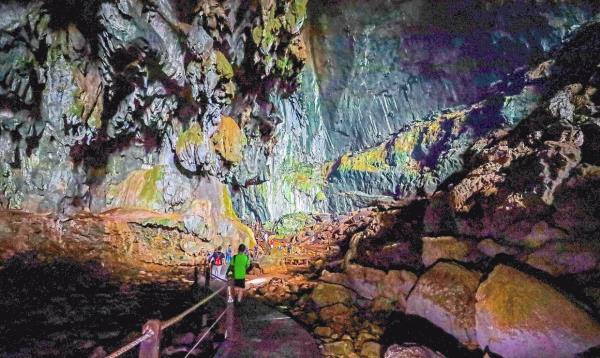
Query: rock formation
[[441, 186]]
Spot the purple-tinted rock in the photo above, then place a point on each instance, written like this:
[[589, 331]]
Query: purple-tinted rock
[[410, 350], [564, 258]]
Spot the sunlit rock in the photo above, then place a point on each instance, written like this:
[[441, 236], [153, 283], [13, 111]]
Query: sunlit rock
[[445, 295], [326, 294], [448, 247], [520, 316], [410, 351]]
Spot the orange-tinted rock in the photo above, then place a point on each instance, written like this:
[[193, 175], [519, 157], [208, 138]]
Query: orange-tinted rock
[[336, 313], [448, 247], [520, 316], [338, 349], [326, 294], [229, 140], [445, 295]]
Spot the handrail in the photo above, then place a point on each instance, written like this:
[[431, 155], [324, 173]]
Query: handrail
[[166, 324], [206, 333], [129, 346]]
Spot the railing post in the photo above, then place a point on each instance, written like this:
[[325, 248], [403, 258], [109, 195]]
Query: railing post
[[207, 277], [204, 319], [150, 348]]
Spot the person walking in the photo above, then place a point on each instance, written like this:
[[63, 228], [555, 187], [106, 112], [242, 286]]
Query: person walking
[[240, 264], [228, 254], [216, 262]]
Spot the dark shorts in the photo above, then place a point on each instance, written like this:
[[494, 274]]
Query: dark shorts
[[239, 283]]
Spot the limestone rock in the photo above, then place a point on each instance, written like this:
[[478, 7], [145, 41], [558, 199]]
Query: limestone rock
[[520, 316], [336, 313], [326, 294], [564, 258], [491, 248], [397, 283], [371, 350], [448, 247], [364, 280], [339, 349], [323, 331], [445, 295], [541, 233], [409, 350]]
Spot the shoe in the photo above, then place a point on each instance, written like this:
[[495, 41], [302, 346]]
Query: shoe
[[230, 299]]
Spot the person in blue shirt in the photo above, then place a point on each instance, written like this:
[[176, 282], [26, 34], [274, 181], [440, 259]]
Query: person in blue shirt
[[228, 253]]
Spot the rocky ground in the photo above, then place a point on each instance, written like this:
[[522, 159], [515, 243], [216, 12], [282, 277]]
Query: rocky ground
[[64, 308], [502, 259]]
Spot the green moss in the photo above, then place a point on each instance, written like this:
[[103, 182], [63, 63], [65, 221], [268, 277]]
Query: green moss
[[320, 196], [223, 65], [296, 15], [149, 193], [193, 136], [304, 177], [372, 160], [257, 35], [291, 224], [262, 189], [77, 107]]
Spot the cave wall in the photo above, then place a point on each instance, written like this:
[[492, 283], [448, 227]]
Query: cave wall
[[381, 70], [274, 107], [141, 104]]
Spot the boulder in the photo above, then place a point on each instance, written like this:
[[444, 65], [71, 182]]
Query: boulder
[[371, 283], [445, 295], [448, 247], [371, 350], [564, 258], [326, 294], [397, 284], [323, 331], [491, 248], [410, 350], [341, 348], [520, 316], [364, 280], [336, 313], [541, 233]]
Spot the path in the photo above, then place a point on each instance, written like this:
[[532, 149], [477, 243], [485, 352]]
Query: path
[[261, 331]]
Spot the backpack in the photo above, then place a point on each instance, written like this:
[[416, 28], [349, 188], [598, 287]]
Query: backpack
[[218, 259]]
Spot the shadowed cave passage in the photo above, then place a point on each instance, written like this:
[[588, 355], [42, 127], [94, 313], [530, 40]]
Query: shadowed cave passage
[[61, 307]]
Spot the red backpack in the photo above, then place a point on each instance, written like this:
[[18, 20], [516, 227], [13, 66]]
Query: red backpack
[[218, 259]]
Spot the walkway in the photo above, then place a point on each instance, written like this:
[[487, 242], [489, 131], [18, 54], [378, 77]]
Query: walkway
[[262, 331]]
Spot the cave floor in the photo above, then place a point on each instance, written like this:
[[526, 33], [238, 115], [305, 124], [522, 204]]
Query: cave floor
[[261, 331], [64, 308]]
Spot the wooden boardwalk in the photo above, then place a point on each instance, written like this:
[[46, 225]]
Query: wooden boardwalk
[[257, 330]]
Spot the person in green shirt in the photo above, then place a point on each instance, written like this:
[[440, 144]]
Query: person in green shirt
[[239, 265]]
